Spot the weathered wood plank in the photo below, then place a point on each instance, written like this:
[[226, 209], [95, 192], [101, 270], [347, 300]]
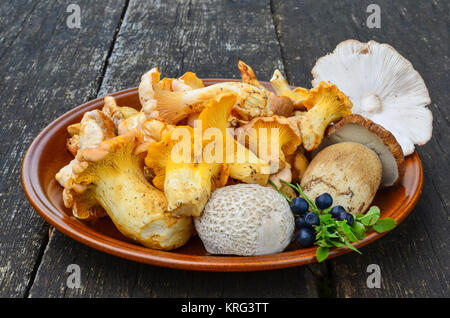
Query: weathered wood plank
[[47, 68], [414, 258], [206, 37]]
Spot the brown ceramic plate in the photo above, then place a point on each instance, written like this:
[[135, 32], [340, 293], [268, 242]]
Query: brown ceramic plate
[[47, 155]]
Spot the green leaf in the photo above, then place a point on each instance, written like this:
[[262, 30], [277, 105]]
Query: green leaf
[[359, 229], [322, 253], [347, 230], [371, 217], [338, 244], [327, 211], [353, 248], [384, 225]]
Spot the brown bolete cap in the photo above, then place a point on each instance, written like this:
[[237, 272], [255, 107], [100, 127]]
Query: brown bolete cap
[[357, 128]]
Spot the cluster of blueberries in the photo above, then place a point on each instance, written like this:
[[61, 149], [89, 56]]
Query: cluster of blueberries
[[305, 221]]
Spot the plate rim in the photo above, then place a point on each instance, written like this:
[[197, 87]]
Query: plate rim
[[116, 247]]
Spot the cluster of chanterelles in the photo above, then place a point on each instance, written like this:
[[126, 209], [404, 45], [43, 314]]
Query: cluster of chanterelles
[[124, 163]]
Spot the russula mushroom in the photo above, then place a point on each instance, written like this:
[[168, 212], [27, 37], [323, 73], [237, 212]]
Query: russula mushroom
[[245, 219], [282, 88], [325, 104], [187, 184], [350, 172], [265, 132], [383, 86], [358, 129], [110, 177]]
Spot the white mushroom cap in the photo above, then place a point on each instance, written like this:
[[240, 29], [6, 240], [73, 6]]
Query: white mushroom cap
[[245, 219], [383, 87]]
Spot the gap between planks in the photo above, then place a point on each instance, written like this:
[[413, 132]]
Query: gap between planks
[[47, 238]]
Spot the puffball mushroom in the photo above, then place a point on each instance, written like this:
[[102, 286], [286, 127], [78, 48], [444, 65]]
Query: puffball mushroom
[[350, 172], [111, 177], [383, 86], [358, 129], [245, 219]]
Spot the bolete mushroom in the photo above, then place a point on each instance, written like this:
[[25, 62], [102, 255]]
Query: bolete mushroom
[[111, 177], [383, 86], [350, 172], [358, 129], [245, 219]]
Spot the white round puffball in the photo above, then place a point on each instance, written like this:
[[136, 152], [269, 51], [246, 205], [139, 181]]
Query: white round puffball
[[245, 219]]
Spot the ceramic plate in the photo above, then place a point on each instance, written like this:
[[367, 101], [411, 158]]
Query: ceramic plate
[[47, 155]]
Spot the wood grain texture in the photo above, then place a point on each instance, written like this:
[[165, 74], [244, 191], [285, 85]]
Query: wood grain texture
[[208, 38], [46, 69], [414, 258]]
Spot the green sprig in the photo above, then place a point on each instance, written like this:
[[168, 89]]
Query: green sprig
[[334, 233]]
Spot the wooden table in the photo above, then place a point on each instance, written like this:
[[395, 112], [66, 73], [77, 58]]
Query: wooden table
[[48, 68]]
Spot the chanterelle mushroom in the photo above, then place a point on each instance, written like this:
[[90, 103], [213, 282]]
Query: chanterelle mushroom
[[245, 219], [111, 177], [188, 181], [358, 129], [383, 87], [94, 128], [265, 132], [282, 88], [325, 104]]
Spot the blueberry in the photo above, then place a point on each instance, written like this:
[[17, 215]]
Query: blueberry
[[350, 219], [342, 216], [300, 222], [336, 210], [305, 237], [324, 201], [299, 206], [312, 219]]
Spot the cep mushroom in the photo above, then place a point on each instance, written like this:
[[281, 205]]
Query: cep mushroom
[[358, 129], [111, 177], [350, 172], [383, 86]]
